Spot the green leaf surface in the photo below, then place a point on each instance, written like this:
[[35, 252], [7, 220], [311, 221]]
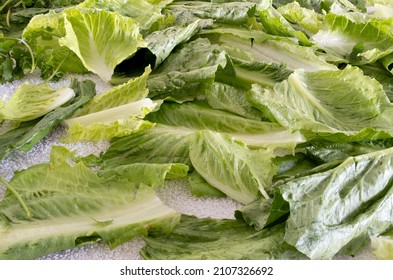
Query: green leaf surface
[[161, 43], [84, 92], [231, 167], [307, 19], [130, 91], [185, 74], [274, 23], [145, 12], [64, 212], [266, 48], [158, 144], [355, 36], [43, 33], [341, 105], [100, 50], [25, 136], [198, 116], [211, 239], [341, 207], [151, 174], [200, 188], [31, 101]]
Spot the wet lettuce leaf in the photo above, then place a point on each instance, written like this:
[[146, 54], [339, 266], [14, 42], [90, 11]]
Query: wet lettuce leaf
[[307, 19], [187, 71], [274, 23], [161, 43], [341, 208], [238, 13], [133, 90], [266, 48], [228, 98], [117, 112]]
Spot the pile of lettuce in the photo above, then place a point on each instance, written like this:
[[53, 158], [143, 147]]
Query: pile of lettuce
[[283, 106]]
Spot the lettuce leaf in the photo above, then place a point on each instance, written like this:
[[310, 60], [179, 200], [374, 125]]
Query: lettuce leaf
[[161, 43], [42, 34], [274, 23], [341, 208], [100, 51], [356, 37], [151, 174], [45, 210], [263, 47], [203, 239], [341, 106], [308, 19], [231, 167], [224, 97], [238, 13], [130, 91], [158, 144], [114, 122], [117, 112], [27, 134], [187, 71], [31, 101], [198, 116], [145, 12], [200, 188]]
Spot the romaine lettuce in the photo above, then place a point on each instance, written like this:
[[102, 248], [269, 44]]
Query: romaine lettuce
[[231, 167], [341, 208], [100, 50], [196, 239], [31, 101], [45, 210], [341, 105]]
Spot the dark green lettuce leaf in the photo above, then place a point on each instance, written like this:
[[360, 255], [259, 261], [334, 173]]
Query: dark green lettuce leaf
[[263, 213], [341, 207], [200, 188], [186, 72], [203, 239]]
